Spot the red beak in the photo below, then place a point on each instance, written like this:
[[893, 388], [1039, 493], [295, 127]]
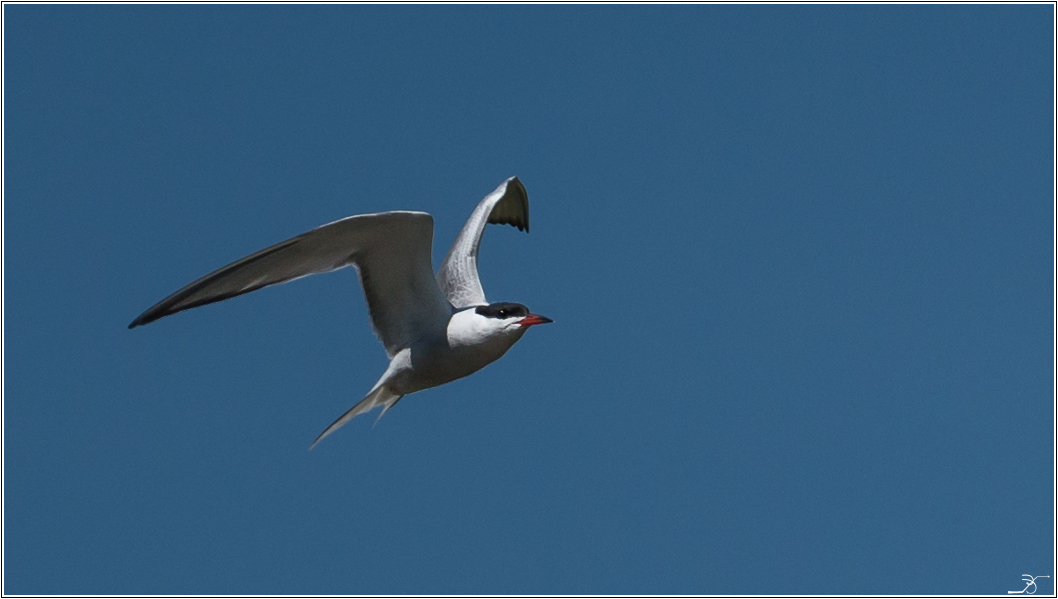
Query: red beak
[[532, 319]]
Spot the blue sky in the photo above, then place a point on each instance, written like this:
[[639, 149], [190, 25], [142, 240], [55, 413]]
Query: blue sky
[[799, 260]]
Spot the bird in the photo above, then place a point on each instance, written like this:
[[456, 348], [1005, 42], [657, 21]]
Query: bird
[[435, 329]]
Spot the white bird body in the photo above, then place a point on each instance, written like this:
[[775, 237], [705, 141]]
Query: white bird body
[[435, 330]]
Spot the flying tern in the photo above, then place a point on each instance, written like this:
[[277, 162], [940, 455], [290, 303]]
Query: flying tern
[[435, 329]]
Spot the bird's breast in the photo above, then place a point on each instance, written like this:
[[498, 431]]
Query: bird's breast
[[438, 361]]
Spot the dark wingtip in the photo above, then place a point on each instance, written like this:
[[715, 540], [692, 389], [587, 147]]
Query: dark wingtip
[[525, 196], [519, 188], [141, 320], [152, 315]]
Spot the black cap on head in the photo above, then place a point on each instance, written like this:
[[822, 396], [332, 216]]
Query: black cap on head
[[503, 310]]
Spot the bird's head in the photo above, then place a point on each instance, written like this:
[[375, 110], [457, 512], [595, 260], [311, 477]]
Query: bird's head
[[475, 325], [509, 314]]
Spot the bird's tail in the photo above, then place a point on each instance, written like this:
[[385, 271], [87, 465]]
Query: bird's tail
[[379, 396]]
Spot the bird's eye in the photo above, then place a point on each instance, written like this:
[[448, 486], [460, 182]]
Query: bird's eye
[[503, 314]]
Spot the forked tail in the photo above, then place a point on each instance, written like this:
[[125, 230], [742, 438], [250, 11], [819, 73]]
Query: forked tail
[[380, 396]]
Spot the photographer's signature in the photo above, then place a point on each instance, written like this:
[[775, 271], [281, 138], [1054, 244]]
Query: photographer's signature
[[1030, 582]]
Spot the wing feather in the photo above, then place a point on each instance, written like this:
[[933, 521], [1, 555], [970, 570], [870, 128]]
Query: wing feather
[[458, 279], [391, 251]]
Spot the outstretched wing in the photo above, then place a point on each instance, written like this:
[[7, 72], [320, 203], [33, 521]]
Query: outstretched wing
[[391, 251], [508, 204]]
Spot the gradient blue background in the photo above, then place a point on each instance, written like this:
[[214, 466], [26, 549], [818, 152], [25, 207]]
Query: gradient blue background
[[799, 260]]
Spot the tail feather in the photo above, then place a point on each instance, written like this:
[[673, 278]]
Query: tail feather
[[386, 408], [380, 396]]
